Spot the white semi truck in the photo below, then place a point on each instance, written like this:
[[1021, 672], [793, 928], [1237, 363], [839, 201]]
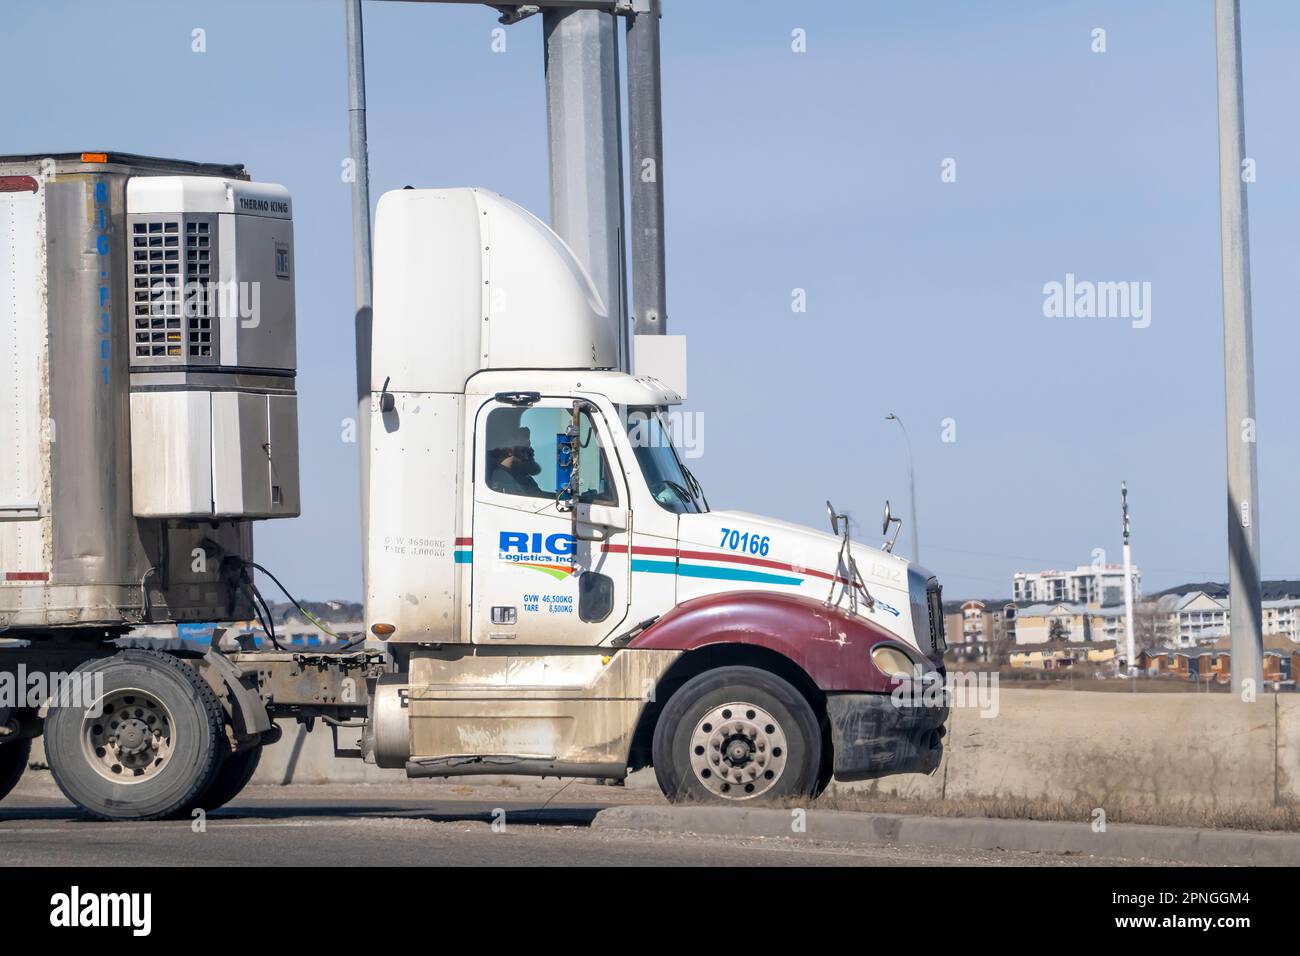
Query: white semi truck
[[551, 590]]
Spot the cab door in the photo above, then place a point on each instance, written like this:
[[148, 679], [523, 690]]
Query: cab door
[[533, 583]]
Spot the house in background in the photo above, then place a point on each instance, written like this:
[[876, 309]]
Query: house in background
[[1212, 664], [990, 621], [978, 621], [1058, 655], [1280, 658]]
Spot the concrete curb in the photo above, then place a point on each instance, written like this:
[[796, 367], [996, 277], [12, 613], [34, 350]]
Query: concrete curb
[[1119, 840]]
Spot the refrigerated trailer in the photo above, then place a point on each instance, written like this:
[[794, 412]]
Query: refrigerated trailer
[[124, 369], [549, 590], [149, 415]]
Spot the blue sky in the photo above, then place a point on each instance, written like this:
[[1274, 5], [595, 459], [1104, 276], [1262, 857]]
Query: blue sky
[[818, 171]]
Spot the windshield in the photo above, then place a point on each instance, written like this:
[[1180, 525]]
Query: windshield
[[670, 482]]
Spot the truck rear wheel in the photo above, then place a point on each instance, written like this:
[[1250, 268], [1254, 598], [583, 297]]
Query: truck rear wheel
[[13, 761], [736, 734], [148, 747], [231, 779]]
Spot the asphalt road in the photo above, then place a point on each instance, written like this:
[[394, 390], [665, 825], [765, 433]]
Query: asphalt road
[[421, 825]]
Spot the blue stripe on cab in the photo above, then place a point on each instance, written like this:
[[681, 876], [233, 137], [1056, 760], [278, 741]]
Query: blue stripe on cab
[[720, 574], [655, 567]]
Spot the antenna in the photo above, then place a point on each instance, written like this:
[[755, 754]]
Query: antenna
[[1128, 584], [1123, 496]]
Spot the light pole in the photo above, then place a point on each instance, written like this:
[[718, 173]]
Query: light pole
[[359, 155], [1238, 362], [911, 485]]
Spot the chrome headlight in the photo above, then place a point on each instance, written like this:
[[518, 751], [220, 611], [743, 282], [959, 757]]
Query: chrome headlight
[[894, 662]]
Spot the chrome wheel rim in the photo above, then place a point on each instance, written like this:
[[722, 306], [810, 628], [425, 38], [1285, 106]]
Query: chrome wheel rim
[[131, 739], [738, 751]]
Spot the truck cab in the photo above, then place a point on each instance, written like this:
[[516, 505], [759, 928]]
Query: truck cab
[[553, 590], [560, 595]]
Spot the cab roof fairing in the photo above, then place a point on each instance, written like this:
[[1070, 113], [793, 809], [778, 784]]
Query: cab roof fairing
[[467, 281], [619, 388]]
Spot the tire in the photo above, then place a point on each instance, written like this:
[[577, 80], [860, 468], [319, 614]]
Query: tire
[[13, 761], [154, 750], [737, 735], [232, 778]]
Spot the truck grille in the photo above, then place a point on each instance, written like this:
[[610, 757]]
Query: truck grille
[[934, 602]]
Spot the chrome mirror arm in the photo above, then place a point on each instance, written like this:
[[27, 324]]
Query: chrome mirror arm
[[846, 568], [888, 544]]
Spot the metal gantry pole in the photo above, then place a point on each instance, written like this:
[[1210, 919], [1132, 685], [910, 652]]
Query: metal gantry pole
[[911, 487], [1238, 360], [586, 150], [646, 144], [360, 257]]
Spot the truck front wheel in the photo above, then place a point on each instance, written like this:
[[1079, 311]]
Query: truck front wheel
[[737, 734], [13, 761], [147, 745]]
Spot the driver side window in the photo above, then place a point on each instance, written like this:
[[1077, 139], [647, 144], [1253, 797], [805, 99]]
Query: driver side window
[[519, 454]]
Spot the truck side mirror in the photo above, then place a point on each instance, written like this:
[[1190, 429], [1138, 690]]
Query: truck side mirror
[[564, 470], [568, 459], [888, 545], [566, 467]]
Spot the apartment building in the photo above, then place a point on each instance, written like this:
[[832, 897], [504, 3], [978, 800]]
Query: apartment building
[[1283, 617], [1098, 584], [1192, 618], [1072, 623], [1043, 623]]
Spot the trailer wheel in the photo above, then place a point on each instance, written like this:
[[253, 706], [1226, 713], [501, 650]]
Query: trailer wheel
[[13, 761], [147, 747], [231, 779], [736, 734]]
